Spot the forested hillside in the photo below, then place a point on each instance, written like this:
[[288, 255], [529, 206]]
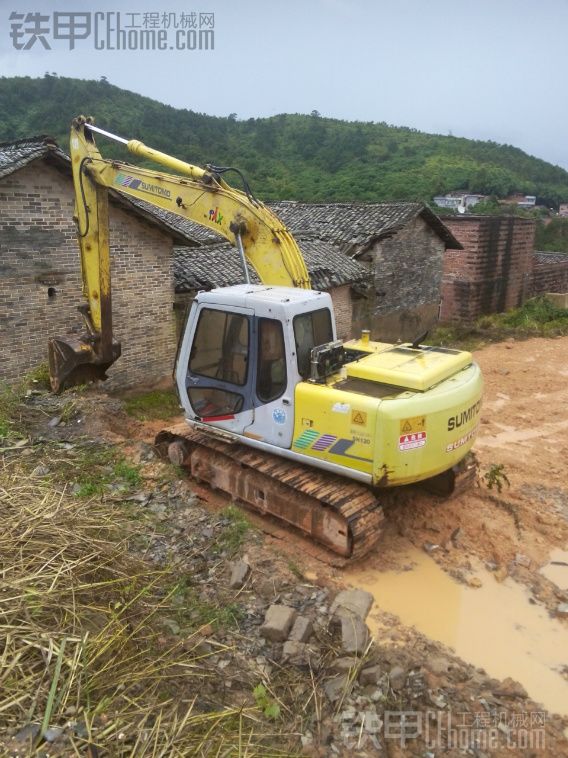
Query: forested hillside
[[306, 157]]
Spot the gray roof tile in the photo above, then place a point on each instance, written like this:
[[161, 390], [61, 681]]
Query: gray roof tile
[[219, 265], [542, 257]]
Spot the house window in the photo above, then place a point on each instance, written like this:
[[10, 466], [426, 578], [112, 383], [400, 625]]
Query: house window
[[220, 346], [271, 376], [310, 330]]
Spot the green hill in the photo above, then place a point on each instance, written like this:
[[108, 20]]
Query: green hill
[[306, 157]]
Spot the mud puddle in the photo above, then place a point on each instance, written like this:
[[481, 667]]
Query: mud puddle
[[557, 568], [493, 627]]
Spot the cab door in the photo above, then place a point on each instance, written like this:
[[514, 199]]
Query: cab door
[[219, 379], [274, 385]]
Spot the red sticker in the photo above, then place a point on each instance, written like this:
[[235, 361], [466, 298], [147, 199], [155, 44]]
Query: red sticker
[[411, 441]]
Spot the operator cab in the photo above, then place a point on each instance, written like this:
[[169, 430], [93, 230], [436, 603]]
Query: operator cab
[[244, 350]]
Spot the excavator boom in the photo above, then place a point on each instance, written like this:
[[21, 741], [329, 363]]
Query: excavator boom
[[193, 193]]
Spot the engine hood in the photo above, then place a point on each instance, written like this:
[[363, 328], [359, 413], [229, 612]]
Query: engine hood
[[409, 368]]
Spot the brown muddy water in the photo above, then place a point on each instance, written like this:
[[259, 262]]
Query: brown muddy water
[[494, 627]]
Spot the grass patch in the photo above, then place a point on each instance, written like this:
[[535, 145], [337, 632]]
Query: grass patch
[[157, 404], [233, 535], [538, 317], [85, 645], [94, 467]]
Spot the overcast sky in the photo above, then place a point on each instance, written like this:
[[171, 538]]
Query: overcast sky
[[489, 69]]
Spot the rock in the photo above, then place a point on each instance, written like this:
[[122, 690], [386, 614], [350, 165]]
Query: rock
[[301, 630], [501, 574], [40, 471], [239, 572], [28, 733], [438, 665], [397, 677], [354, 635], [53, 734], [510, 688], [335, 687], [343, 665], [456, 536], [522, 560], [278, 622], [430, 547], [297, 653], [474, 582], [562, 609], [53, 422], [355, 601], [370, 675]]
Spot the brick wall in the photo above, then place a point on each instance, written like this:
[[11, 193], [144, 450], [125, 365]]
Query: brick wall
[[38, 250], [343, 309], [550, 273], [493, 272], [407, 272]]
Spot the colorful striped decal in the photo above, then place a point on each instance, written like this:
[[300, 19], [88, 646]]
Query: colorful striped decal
[[319, 443], [324, 442], [306, 438]]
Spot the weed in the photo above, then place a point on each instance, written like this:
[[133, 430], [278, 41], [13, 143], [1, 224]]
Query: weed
[[193, 611], [128, 473], [38, 376], [296, 570], [496, 477], [234, 533], [157, 404], [538, 317], [270, 709]]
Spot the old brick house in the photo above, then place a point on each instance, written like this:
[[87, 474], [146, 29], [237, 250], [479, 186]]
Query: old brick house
[[402, 245], [219, 265], [40, 282], [494, 270], [550, 273]]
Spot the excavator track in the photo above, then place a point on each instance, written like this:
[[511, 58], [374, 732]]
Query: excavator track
[[342, 515]]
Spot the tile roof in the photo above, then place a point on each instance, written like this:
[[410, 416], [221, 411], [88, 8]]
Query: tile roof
[[15, 155], [541, 257], [356, 223], [219, 265]]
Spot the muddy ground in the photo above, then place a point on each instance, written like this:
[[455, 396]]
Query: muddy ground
[[501, 535]]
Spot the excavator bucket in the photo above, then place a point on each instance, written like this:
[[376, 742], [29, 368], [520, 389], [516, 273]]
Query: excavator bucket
[[73, 360]]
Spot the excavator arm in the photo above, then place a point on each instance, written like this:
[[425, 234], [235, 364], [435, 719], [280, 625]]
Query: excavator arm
[[199, 195]]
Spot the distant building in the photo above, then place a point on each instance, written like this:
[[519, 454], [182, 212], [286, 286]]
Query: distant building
[[563, 209], [523, 201], [458, 201]]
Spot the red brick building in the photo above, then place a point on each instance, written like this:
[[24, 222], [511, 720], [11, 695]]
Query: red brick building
[[493, 272]]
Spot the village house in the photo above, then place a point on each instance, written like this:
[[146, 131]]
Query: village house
[[402, 246], [40, 279], [493, 272]]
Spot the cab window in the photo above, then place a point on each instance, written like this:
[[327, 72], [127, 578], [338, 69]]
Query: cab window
[[310, 330], [271, 376], [220, 346]]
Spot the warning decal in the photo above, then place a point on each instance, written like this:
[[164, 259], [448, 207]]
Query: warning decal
[[359, 417], [411, 441], [413, 425]]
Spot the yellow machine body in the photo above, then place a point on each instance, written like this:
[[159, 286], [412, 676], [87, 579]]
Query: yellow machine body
[[399, 414]]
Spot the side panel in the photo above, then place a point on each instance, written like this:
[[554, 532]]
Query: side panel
[[420, 435], [335, 426]]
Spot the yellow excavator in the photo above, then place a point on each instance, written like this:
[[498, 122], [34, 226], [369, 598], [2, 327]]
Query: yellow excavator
[[279, 413]]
